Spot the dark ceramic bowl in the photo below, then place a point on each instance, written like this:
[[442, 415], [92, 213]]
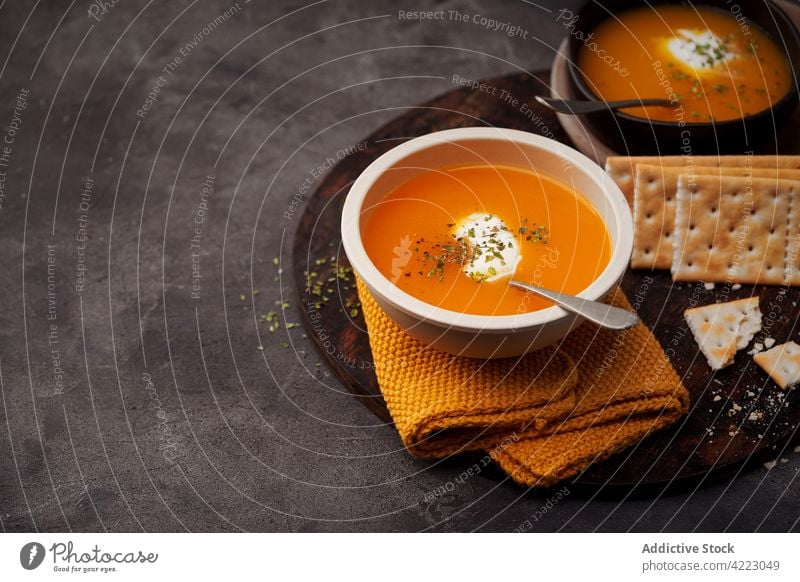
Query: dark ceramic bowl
[[635, 135]]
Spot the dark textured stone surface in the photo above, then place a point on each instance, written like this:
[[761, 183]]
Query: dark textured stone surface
[[266, 440]]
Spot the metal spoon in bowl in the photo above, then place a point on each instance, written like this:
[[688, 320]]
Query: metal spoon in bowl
[[603, 315], [579, 107]]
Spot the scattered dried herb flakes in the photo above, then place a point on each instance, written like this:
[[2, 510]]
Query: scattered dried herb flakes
[[272, 318], [534, 233], [464, 250], [440, 255], [318, 281]]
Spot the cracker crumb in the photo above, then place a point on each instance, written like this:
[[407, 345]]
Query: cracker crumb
[[717, 398], [797, 449], [770, 464], [734, 409], [708, 286], [755, 416], [757, 347], [769, 342], [736, 286]]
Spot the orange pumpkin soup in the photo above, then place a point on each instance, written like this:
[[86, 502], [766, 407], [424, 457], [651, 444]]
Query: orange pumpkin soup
[[454, 238], [711, 64]]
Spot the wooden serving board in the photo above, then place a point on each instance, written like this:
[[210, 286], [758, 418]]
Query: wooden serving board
[[739, 418]]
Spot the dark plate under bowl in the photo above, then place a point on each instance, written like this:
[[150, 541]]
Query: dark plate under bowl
[[635, 135]]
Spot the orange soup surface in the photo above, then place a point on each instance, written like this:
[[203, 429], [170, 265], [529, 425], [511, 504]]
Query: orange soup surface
[[711, 64], [454, 238]]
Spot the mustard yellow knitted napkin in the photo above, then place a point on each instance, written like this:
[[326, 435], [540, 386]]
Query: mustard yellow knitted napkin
[[542, 417]]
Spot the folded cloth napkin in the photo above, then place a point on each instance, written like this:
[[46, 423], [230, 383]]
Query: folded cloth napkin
[[542, 417]]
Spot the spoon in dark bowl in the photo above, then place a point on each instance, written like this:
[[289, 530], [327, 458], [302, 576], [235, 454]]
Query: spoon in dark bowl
[[580, 107], [603, 315]]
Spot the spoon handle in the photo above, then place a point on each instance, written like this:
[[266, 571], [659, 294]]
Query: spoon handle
[[577, 107], [596, 312]]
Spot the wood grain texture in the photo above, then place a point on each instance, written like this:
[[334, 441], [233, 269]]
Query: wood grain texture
[[739, 417]]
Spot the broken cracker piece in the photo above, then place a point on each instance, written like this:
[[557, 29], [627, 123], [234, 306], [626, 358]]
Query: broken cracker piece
[[722, 329], [782, 363]]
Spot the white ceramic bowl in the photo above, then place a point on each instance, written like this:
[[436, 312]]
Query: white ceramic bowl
[[483, 336]]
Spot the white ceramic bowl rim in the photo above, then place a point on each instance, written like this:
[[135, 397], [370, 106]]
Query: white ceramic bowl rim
[[369, 273]]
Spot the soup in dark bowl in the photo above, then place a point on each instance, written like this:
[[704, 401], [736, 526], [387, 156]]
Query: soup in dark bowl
[[729, 73]]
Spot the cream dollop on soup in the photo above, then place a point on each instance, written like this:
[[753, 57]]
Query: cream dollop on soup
[[713, 65], [495, 250]]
